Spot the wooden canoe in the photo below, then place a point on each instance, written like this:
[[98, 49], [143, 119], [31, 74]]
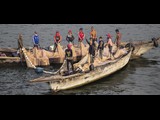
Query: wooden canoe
[[59, 82], [141, 47], [53, 59], [10, 56]]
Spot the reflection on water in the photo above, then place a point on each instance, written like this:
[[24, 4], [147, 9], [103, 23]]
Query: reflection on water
[[141, 62]]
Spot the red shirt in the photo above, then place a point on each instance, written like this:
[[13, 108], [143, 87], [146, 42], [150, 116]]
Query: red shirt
[[81, 36], [57, 37]]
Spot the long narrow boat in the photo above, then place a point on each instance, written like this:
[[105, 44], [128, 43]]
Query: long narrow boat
[[102, 69], [11, 55], [141, 47]]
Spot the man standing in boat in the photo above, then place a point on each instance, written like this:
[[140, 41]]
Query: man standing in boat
[[70, 38], [81, 35], [93, 34], [101, 47], [20, 46], [109, 44], [57, 40], [118, 38], [20, 41], [91, 50], [69, 57], [36, 40]]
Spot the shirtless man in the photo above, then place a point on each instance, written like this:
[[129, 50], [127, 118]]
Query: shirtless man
[[118, 38]]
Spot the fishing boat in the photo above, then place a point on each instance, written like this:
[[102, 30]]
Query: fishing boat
[[11, 55], [41, 57], [141, 47], [86, 72]]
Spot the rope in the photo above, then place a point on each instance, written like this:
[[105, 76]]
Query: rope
[[47, 72], [23, 49]]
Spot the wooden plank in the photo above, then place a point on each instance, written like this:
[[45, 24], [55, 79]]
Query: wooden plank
[[9, 58], [8, 50]]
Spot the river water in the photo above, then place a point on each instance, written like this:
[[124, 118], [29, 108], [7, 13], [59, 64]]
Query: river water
[[139, 77]]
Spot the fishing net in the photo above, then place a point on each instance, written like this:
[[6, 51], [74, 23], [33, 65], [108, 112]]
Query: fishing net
[[50, 54], [83, 49], [31, 61], [120, 52], [105, 52], [81, 62], [84, 64], [73, 51], [41, 57], [60, 51]]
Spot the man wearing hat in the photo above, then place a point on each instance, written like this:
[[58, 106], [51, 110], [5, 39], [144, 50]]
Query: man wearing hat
[[91, 50], [81, 35], [109, 44], [57, 40], [69, 57], [101, 47], [70, 38]]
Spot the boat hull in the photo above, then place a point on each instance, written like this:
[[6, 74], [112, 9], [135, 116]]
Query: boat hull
[[9, 59], [98, 73], [141, 47], [10, 56]]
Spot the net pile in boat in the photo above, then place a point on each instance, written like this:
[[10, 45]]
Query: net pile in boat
[[85, 62], [83, 49], [60, 51], [40, 57]]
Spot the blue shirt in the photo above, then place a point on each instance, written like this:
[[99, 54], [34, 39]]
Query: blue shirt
[[36, 39]]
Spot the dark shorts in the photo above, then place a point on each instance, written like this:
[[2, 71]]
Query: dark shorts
[[110, 49], [118, 43], [36, 45], [70, 62]]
